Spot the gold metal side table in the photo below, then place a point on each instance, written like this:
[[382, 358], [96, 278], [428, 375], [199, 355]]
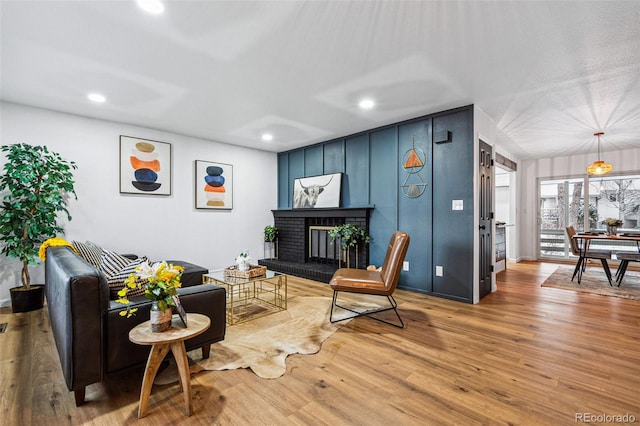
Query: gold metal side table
[[249, 298]]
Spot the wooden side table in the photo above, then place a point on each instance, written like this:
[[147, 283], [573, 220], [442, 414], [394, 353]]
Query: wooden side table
[[160, 344]]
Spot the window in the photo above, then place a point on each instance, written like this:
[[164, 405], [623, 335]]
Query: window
[[562, 203]]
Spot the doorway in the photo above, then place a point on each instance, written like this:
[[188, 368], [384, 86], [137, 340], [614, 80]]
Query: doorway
[[486, 215]]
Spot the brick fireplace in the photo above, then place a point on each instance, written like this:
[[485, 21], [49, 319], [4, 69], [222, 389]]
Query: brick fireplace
[[303, 247]]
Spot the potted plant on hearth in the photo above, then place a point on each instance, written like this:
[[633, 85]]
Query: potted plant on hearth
[[38, 182], [349, 236], [270, 242]]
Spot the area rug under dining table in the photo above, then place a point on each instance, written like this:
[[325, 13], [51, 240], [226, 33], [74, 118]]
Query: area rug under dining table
[[594, 281]]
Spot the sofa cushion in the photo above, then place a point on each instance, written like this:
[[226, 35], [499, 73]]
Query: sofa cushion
[[117, 269], [89, 251], [192, 274]]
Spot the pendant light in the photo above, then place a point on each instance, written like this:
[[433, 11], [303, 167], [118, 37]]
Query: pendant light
[[599, 167]]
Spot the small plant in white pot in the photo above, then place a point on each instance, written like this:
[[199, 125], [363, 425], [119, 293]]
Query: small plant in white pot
[[38, 182]]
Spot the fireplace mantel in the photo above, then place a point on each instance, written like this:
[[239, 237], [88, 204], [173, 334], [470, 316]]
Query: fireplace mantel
[[330, 212]]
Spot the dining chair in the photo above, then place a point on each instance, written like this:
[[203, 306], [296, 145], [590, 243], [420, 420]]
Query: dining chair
[[584, 253], [625, 257], [379, 283]]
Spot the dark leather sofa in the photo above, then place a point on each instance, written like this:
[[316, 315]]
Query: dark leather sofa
[[93, 339]]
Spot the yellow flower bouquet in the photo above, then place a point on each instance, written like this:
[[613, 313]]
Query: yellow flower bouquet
[[159, 281]]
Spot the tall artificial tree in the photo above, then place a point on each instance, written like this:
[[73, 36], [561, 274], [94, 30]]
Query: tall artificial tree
[[39, 183]]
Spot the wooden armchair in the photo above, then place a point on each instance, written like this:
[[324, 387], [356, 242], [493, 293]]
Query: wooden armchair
[[379, 283]]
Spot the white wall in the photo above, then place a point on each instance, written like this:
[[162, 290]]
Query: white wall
[[160, 227], [485, 129], [624, 162]]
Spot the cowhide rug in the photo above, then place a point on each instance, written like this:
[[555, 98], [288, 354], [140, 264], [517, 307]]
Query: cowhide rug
[[263, 344]]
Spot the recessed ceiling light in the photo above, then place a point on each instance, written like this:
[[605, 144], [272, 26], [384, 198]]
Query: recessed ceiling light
[[151, 6], [96, 97], [267, 137], [366, 104]]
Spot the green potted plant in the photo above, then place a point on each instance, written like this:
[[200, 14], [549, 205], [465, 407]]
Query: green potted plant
[[38, 182], [270, 242], [350, 236]]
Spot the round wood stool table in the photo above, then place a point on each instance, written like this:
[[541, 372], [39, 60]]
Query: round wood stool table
[[160, 344]]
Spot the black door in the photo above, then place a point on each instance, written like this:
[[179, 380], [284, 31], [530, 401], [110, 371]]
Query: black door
[[486, 202]]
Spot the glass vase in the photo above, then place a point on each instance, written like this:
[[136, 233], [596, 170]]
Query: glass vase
[[612, 230], [160, 320]]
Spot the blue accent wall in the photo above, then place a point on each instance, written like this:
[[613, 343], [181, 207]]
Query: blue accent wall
[[355, 188], [284, 197], [313, 161], [374, 172]]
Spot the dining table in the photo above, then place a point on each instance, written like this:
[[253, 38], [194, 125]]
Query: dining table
[[588, 237]]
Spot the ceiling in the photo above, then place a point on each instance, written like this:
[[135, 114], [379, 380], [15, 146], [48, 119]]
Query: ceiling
[[549, 73]]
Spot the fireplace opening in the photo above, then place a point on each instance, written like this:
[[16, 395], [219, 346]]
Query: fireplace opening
[[322, 249]]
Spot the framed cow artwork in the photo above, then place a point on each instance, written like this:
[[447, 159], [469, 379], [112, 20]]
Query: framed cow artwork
[[316, 192], [214, 185]]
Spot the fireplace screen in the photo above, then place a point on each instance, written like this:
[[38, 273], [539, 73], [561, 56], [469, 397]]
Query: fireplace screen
[[321, 248]]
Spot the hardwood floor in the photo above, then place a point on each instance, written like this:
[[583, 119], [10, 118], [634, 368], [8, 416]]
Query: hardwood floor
[[524, 355]]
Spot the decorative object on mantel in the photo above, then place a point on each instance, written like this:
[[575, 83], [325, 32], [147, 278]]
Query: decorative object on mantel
[[599, 167], [160, 282], [413, 162], [317, 191], [612, 224], [252, 271], [37, 184], [349, 236], [270, 242], [145, 166]]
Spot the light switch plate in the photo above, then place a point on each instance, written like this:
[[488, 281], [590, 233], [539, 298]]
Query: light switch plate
[[457, 204], [439, 271]]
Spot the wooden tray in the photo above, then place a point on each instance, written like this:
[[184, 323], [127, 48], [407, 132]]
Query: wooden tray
[[254, 271]]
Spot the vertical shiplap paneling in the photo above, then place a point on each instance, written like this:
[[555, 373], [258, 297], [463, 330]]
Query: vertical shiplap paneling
[[453, 229], [414, 214], [313, 160], [284, 194], [373, 175], [334, 157], [383, 178], [296, 170], [355, 186]]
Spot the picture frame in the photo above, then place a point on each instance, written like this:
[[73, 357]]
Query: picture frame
[[180, 310], [213, 185], [145, 166], [315, 192]]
